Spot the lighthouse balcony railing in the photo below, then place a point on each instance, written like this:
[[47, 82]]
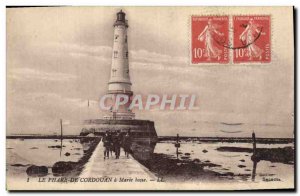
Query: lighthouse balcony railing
[[120, 116]]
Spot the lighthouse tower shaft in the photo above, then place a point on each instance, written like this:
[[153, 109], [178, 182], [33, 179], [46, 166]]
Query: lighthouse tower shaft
[[119, 83]]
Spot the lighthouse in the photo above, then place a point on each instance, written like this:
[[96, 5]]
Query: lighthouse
[[143, 133], [119, 85]]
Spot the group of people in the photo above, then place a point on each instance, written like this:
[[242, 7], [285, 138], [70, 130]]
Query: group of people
[[113, 141]]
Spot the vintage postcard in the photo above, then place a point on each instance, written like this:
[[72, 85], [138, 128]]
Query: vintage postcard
[[150, 98]]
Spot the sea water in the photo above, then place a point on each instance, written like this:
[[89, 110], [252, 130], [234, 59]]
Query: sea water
[[23, 153], [237, 163]]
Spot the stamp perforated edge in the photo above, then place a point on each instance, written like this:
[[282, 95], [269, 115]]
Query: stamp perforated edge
[[230, 53], [270, 36], [190, 40]]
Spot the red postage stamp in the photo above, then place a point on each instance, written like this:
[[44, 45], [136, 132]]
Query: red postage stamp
[[251, 39], [209, 35]]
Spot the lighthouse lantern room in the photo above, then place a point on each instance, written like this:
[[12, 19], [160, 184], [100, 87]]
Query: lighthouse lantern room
[[119, 83]]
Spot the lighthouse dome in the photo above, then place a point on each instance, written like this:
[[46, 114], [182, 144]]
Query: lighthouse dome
[[121, 20], [121, 16]]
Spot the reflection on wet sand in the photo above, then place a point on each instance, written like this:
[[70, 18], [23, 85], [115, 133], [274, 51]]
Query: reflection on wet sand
[[174, 165], [66, 168], [182, 167], [191, 161], [74, 168], [254, 170]]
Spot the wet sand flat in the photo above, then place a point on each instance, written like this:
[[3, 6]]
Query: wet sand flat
[[197, 162]]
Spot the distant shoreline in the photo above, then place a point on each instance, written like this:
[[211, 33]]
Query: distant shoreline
[[172, 138], [44, 137], [229, 139]]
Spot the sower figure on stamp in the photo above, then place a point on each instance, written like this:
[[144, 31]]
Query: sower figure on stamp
[[207, 35], [127, 143], [106, 143], [248, 37], [117, 139]]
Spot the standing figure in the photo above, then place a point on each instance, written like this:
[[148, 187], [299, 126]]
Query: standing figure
[[127, 143], [248, 37], [117, 139], [208, 35], [111, 145], [106, 143]]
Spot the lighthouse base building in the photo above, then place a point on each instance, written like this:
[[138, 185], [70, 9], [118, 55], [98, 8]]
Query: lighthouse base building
[[122, 119]]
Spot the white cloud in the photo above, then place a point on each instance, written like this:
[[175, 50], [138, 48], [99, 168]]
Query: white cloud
[[57, 99], [154, 57], [77, 49], [33, 74], [42, 111]]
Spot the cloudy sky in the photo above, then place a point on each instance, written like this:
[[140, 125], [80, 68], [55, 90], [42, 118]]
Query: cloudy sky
[[58, 58]]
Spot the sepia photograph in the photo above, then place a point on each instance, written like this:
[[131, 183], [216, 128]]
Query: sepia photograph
[[150, 98]]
